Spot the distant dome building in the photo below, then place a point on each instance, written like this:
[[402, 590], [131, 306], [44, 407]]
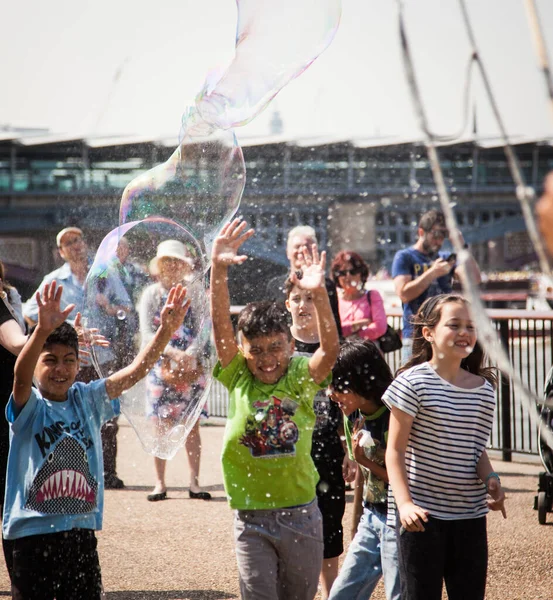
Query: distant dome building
[[276, 125]]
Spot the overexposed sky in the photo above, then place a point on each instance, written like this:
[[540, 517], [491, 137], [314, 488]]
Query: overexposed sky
[[60, 59]]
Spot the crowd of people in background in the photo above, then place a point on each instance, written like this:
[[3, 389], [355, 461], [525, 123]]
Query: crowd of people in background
[[313, 408]]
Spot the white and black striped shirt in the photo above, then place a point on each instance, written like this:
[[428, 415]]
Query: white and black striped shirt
[[449, 433]]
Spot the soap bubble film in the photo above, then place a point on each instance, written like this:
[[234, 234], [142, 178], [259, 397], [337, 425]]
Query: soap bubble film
[[199, 186], [266, 59], [124, 301]]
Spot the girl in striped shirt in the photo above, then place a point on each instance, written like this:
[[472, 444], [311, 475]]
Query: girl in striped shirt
[[442, 405]]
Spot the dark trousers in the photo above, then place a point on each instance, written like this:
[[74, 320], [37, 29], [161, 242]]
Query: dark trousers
[[452, 551], [109, 429], [62, 565]]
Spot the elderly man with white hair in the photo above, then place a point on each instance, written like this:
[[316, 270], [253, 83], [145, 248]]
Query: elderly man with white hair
[[298, 237]]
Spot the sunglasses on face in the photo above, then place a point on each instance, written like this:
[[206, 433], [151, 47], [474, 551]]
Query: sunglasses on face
[[345, 272], [439, 233]]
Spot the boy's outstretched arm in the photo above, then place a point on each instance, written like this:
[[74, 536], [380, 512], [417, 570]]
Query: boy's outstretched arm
[[224, 254], [172, 316], [313, 278], [50, 316]]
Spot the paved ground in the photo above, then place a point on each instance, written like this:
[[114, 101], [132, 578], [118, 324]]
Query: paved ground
[[183, 549]]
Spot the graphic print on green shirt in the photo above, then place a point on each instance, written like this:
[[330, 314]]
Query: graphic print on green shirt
[[271, 429], [266, 457]]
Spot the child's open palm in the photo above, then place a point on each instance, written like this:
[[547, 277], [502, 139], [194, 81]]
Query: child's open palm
[[50, 314], [227, 243], [312, 274], [175, 309]]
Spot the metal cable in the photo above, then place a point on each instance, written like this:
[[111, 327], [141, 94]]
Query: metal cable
[[487, 334], [524, 194], [541, 48]]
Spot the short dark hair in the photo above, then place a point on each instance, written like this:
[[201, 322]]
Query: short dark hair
[[356, 260], [64, 335], [264, 318], [431, 218], [361, 368]]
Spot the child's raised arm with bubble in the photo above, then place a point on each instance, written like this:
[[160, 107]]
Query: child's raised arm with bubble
[[268, 472], [54, 496]]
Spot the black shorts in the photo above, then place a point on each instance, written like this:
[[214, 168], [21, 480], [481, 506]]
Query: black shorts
[[331, 497], [62, 565]]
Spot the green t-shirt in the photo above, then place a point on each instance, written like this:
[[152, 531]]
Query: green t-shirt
[[266, 455], [375, 490]]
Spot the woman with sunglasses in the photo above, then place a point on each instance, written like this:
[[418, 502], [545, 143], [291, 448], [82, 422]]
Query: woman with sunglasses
[[361, 311]]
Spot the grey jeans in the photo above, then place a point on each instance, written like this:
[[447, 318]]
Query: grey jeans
[[279, 552]]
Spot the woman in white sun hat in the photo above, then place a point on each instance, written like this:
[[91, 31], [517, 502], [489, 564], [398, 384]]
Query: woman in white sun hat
[[177, 380]]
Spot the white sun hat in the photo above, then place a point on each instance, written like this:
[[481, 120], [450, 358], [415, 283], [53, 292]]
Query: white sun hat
[[171, 249]]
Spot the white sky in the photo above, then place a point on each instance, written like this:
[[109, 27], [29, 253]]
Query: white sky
[[60, 58]]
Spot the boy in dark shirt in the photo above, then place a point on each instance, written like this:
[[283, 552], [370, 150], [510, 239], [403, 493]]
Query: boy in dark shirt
[[359, 378]]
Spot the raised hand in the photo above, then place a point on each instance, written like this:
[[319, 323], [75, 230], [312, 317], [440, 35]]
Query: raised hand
[[88, 336], [227, 243], [50, 314], [175, 309], [312, 274]]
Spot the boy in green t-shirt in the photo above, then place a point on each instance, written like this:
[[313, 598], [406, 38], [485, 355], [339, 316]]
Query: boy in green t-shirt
[[268, 472]]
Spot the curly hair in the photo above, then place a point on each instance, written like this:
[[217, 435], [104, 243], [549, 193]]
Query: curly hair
[[429, 315], [341, 261]]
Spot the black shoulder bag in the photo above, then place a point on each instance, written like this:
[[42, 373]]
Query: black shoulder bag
[[391, 340]]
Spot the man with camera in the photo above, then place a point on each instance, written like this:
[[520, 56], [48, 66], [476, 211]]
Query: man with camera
[[422, 271]]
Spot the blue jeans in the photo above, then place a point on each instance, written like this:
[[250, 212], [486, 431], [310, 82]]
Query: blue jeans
[[279, 552], [372, 553]]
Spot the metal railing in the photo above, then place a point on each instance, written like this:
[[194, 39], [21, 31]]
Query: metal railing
[[528, 337]]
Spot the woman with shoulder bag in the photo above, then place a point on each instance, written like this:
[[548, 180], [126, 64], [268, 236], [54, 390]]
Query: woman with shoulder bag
[[361, 315]]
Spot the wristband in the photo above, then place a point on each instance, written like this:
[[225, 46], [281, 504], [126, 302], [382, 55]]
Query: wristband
[[494, 475]]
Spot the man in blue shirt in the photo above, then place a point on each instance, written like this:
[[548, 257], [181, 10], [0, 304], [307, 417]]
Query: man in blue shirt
[[72, 276], [422, 271]]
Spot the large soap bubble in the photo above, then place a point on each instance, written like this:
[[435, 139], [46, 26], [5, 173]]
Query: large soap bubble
[[275, 42], [127, 285], [199, 186], [189, 197]]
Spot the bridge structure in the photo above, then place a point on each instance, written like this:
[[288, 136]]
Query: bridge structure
[[362, 194]]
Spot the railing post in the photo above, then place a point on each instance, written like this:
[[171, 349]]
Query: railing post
[[505, 397]]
